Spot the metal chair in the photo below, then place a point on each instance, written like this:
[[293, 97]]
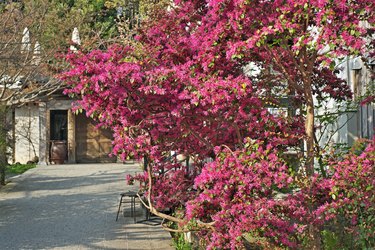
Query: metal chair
[[132, 195]]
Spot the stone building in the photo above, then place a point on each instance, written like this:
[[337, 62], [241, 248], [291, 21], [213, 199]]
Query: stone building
[[42, 127]]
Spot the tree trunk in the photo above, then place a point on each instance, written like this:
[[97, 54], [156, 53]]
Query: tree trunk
[[314, 238], [309, 130], [313, 230], [3, 143]]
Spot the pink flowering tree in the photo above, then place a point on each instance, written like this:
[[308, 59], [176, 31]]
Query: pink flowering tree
[[353, 195], [200, 80]]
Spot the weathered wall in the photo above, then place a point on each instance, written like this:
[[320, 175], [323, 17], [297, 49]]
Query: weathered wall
[[26, 132], [32, 130], [358, 123]]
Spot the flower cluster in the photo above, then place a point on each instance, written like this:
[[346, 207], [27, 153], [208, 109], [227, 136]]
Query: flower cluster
[[353, 193], [240, 191]]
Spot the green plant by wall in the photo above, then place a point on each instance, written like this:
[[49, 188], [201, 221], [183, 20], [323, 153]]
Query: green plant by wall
[[180, 243], [18, 168]]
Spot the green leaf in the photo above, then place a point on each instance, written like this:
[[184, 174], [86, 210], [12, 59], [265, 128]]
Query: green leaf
[[332, 65]]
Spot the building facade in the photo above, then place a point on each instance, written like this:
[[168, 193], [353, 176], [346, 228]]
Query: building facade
[[49, 132], [355, 121]]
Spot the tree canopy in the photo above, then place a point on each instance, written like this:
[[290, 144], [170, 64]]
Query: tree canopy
[[204, 80]]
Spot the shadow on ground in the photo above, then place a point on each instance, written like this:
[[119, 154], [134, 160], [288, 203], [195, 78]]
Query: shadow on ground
[[73, 208]]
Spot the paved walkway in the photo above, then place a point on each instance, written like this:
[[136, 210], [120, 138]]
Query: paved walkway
[[73, 207]]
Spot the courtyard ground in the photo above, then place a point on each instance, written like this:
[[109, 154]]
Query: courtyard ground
[[74, 207]]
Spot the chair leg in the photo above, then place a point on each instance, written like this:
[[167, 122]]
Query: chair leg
[[133, 208], [148, 215], [119, 207]]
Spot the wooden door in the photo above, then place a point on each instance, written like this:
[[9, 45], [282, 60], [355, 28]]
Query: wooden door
[[92, 144]]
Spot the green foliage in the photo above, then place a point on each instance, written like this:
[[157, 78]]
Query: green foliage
[[54, 22], [180, 243], [18, 168], [336, 237], [359, 146], [330, 240], [146, 7]]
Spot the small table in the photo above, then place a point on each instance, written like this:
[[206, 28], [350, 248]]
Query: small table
[[132, 195]]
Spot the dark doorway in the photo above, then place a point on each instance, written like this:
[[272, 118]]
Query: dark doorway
[[58, 136], [59, 121]]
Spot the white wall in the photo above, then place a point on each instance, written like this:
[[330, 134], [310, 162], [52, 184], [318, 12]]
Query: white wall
[[26, 129], [335, 133], [359, 122]]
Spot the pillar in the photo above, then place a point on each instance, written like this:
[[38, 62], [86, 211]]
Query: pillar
[[71, 137], [43, 134]]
